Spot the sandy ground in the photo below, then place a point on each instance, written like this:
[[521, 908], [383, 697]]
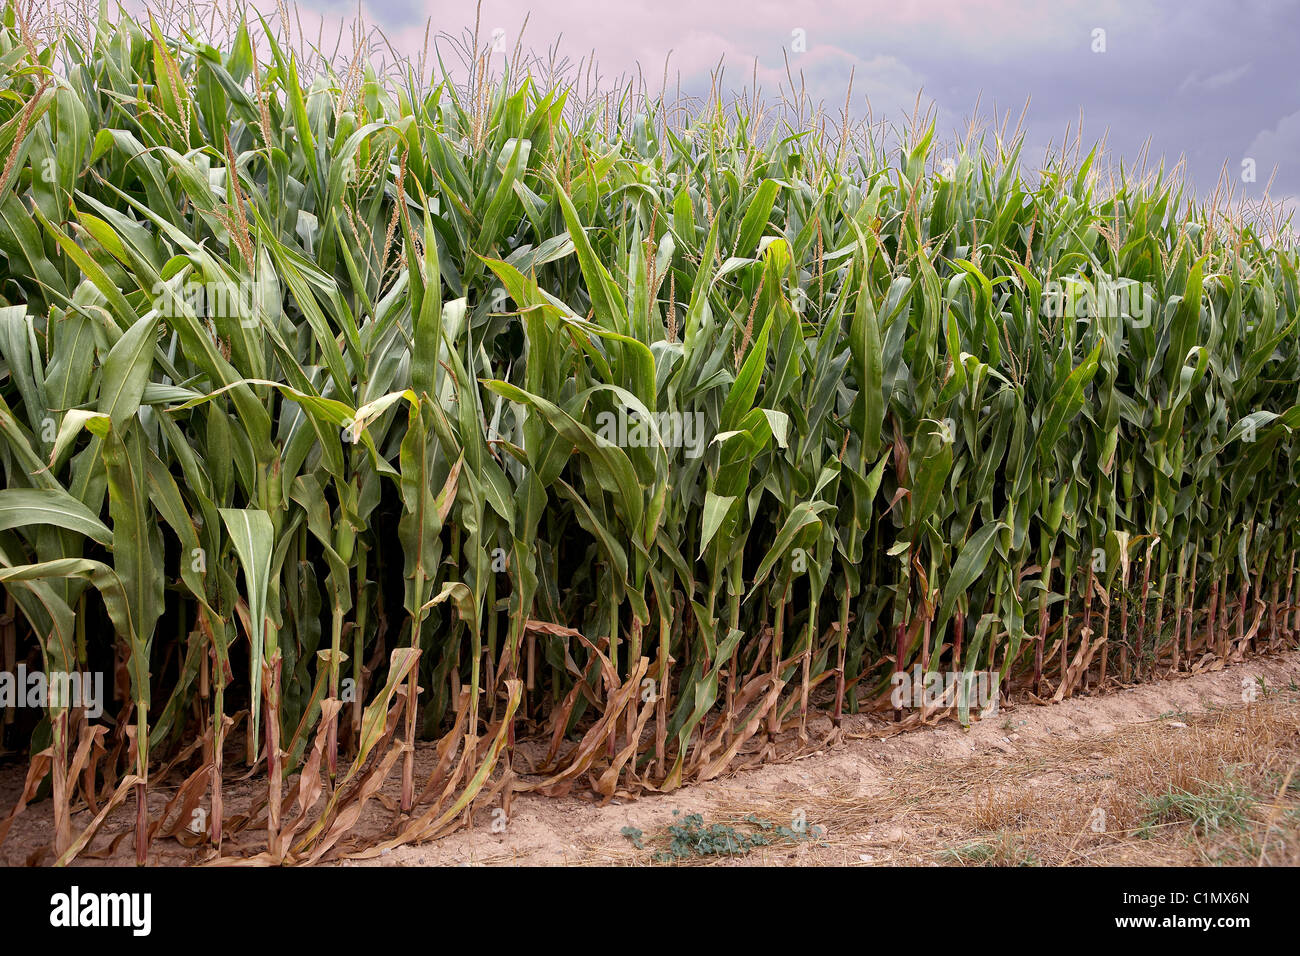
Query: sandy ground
[[1180, 770], [1023, 787]]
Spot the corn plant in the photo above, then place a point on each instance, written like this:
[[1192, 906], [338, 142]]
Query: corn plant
[[600, 446]]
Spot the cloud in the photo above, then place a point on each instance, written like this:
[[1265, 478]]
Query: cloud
[[1213, 82], [1278, 147]]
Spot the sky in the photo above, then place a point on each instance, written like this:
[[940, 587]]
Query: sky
[[1203, 80]]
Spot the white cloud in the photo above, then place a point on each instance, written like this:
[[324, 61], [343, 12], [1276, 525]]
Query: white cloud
[[1277, 147], [1213, 82]]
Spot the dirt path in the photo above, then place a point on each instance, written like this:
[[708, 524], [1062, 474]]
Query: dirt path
[[1180, 770], [1024, 787]]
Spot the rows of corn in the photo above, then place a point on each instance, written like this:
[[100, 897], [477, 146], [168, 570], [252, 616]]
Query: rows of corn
[[607, 448]]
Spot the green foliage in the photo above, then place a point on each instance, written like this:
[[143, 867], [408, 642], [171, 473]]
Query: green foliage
[[1222, 806]]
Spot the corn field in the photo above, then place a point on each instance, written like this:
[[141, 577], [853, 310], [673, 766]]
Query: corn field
[[602, 449]]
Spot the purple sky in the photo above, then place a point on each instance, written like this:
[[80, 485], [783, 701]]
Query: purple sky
[[1202, 79]]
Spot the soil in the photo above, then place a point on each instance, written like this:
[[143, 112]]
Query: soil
[[1186, 769]]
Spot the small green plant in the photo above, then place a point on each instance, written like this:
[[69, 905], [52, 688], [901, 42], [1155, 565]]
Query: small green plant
[[1276, 780], [691, 837], [1216, 807], [970, 853], [1008, 849]]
